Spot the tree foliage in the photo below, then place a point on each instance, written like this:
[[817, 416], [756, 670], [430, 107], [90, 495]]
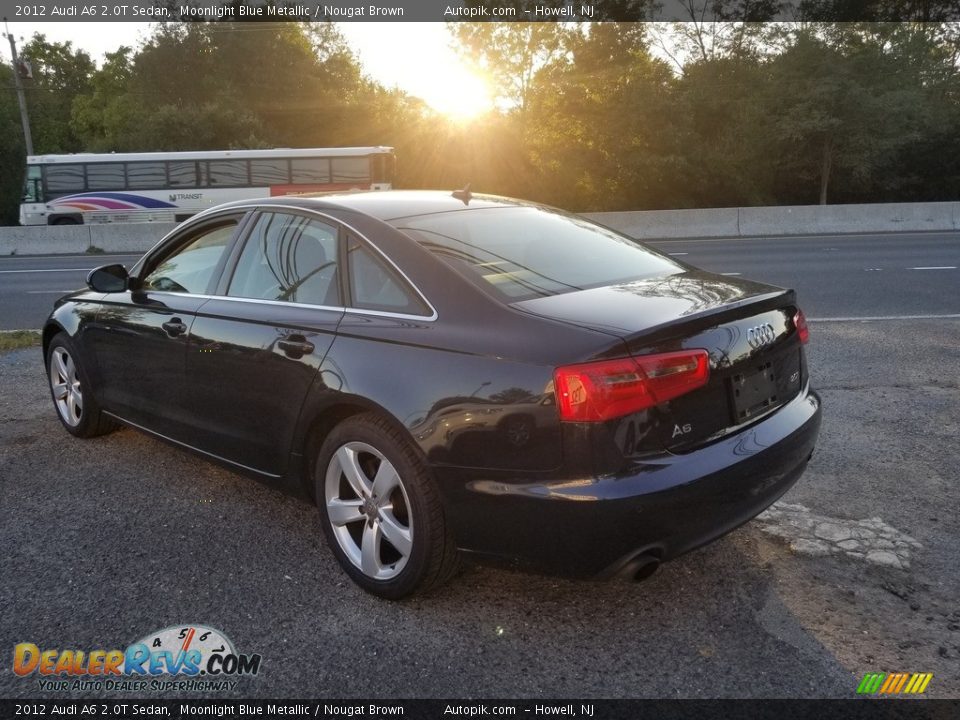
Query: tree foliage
[[590, 116]]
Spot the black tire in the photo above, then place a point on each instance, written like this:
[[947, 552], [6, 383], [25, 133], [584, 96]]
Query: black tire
[[411, 504], [72, 394], [65, 221]]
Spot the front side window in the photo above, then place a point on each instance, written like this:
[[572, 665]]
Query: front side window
[[521, 253], [289, 258], [64, 178], [375, 286], [190, 269]]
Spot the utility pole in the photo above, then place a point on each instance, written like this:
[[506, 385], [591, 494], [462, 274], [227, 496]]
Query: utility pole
[[24, 118]]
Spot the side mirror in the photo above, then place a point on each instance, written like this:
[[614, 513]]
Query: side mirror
[[108, 279]]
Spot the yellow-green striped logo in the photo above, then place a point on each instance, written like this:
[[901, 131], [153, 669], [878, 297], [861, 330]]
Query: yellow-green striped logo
[[894, 683]]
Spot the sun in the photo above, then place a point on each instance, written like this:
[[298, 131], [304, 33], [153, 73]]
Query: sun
[[459, 93]]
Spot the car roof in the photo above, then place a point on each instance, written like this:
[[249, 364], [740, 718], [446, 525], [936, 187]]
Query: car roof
[[390, 205]]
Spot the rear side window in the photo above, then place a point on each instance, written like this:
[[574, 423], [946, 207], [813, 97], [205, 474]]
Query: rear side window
[[289, 258], [375, 286], [520, 253]]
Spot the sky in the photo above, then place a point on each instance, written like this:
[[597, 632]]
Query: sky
[[416, 57]]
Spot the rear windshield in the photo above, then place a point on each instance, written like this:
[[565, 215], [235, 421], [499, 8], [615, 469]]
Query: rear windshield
[[521, 253]]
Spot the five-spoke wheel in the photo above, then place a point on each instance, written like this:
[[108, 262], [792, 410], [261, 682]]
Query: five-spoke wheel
[[72, 395], [65, 386], [382, 513], [368, 507]]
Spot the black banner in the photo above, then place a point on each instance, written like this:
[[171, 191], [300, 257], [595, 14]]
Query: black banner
[[861, 709], [480, 10]]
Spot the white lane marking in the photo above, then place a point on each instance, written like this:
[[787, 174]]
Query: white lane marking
[[729, 273], [55, 270], [873, 269], [886, 317], [675, 254], [50, 292], [935, 267]]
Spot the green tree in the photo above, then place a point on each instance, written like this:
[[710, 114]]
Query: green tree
[[60, 75], [12, 153], [840, 102]]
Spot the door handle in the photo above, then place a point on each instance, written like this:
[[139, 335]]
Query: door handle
[[174, 327], [295, 346]]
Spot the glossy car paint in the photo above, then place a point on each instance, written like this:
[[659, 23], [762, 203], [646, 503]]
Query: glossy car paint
[[470, 384]]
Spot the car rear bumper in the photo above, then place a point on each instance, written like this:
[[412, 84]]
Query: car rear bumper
[[664, 505]]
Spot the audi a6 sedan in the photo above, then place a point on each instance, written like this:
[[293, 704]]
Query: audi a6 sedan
[[448, 374]]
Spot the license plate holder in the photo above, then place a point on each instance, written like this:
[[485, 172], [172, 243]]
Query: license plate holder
[[753, 393]]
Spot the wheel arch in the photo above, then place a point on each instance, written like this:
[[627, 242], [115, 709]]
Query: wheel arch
[[49, 331], [317, 424]]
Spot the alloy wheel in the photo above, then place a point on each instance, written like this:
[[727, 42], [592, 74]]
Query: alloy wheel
[[65, 383], [368, 510]]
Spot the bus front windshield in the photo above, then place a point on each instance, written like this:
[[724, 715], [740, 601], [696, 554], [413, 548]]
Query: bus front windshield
[[31, 186]]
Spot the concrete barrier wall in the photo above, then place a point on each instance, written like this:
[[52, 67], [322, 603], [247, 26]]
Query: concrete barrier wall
[[75, 239], [650, 224], [784, 221]]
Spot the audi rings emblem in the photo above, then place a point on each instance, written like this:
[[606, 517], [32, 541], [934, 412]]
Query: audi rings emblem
[[761, 335]]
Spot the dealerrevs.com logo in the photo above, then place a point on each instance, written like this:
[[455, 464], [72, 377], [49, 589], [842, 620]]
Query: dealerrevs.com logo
[[178, 658]]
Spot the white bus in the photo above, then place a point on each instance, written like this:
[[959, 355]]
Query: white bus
[[172, 186]]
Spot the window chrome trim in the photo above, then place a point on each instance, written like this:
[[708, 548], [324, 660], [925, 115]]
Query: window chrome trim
[[288, 303], [329, 218]]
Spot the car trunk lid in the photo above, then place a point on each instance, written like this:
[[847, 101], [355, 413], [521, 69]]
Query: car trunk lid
[[747, 328]]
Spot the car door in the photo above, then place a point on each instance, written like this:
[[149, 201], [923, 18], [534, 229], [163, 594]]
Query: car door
[[139, 337], [256, 348]]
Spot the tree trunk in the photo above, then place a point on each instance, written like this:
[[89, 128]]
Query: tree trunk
[[825, 164]]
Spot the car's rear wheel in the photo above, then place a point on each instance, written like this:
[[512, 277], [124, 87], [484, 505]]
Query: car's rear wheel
[[382, 514], [72, 396]]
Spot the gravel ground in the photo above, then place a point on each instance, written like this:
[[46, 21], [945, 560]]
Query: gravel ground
[[110, 539]]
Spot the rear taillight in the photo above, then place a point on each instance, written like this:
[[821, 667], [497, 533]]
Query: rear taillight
[[596, 391], [800, 323]]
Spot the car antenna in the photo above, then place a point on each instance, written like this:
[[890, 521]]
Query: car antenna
[[463, 194]]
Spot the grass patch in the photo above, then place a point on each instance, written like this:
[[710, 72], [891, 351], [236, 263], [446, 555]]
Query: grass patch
[[94, 250], [17, 339]]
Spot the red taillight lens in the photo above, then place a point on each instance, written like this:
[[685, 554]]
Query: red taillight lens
[[596, 391], [800, 323]]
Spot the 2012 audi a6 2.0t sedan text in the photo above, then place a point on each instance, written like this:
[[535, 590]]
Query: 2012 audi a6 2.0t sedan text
[[447, 373]]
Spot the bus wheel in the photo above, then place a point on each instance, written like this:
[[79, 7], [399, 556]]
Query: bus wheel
[[65, 221]]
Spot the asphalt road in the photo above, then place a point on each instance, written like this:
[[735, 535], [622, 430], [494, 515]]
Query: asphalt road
[[30, 284], [110, 539], [842, 276]]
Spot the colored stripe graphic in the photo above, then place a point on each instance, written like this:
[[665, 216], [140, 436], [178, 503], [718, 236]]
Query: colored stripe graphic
[[894, 683], [113, 200]]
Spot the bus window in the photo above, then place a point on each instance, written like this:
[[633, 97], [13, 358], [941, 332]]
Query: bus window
[[229, 173], [182, 173], [106, 176], [382, 168], [64, 178], [270, 172], [310, 170], [31, 187], [146, 175], [350, 169]]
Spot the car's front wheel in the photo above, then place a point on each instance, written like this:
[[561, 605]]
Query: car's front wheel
[[72, 395], [381, 510]]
